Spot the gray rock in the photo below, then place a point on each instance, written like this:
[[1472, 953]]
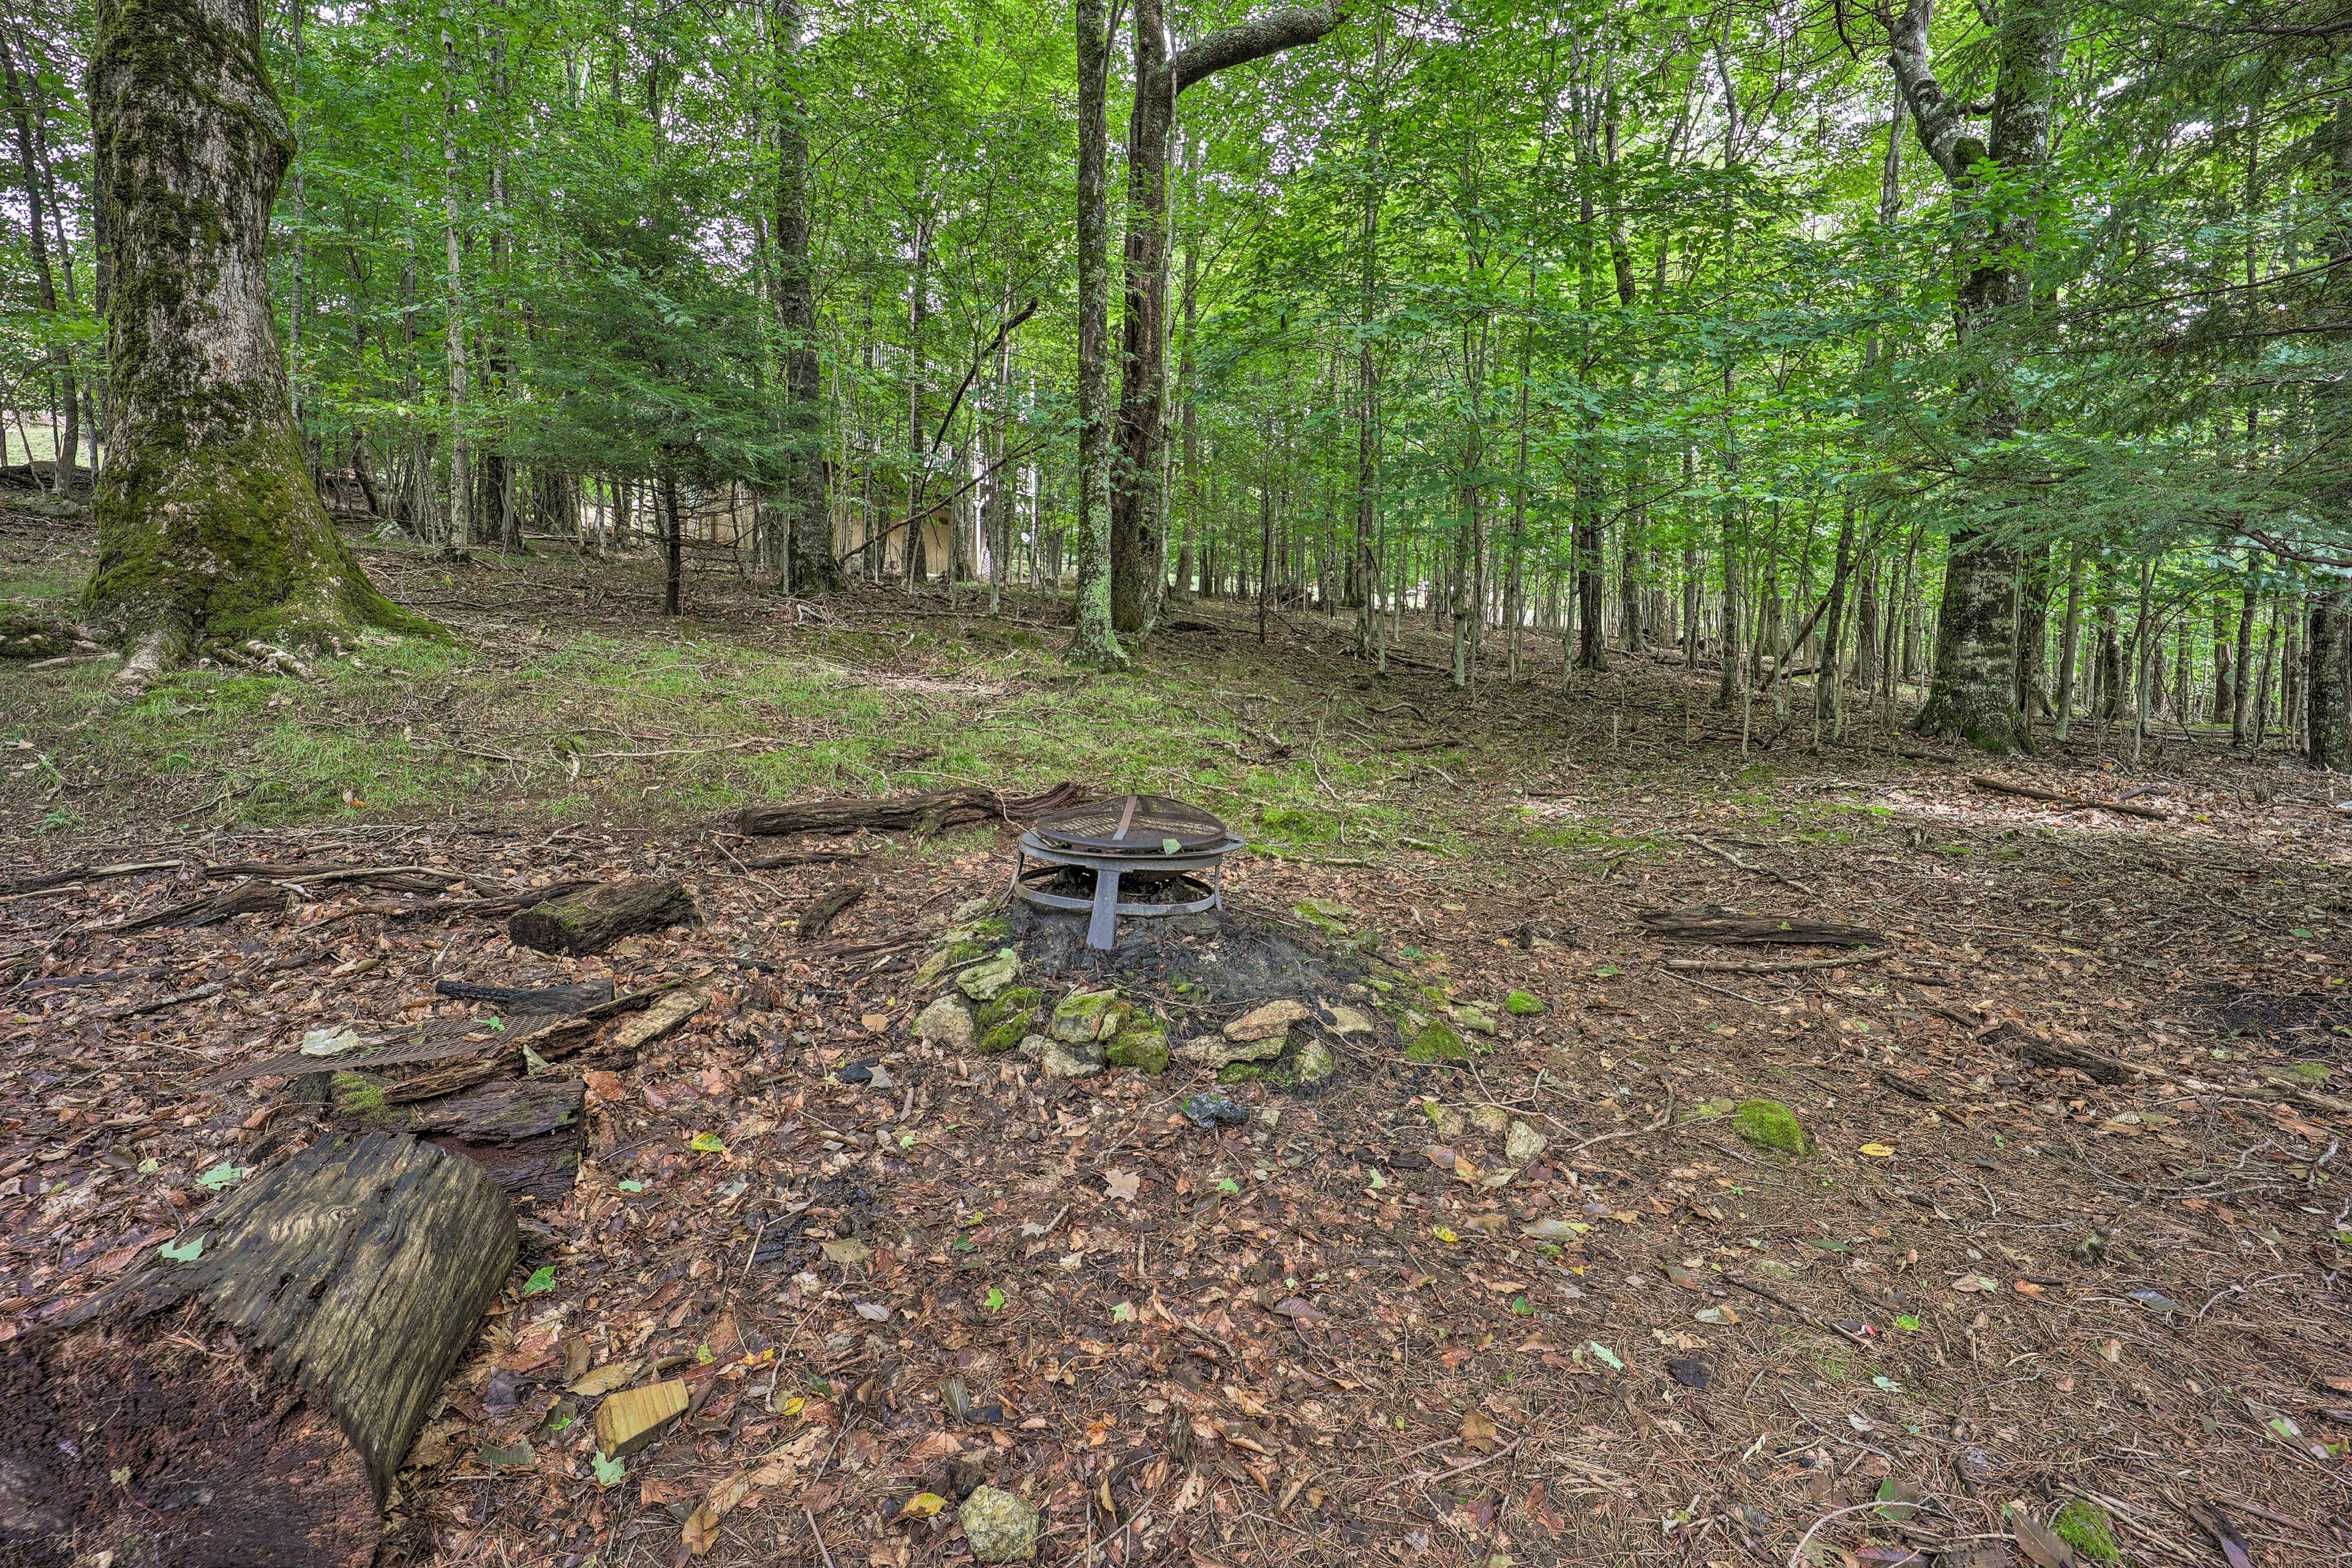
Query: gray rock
[[998, 1526], [946, 1022], [1523, 1145], [1313, 1065], [1271, 1022], [1212, 1052], [983, 980], [1064, 1059]]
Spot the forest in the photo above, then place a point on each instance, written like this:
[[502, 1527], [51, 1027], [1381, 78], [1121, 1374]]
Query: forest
[[1209, 783]]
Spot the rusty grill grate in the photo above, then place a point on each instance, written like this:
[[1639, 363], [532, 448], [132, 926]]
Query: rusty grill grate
[[1132, 825]]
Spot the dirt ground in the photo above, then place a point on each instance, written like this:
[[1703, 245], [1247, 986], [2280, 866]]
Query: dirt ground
[[1992, 1292]]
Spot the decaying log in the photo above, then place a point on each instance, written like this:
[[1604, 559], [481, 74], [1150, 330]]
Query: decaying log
[[818, 917], [527, 1134], [1727, 966], [251, 896], [562, 999], [592, 921], [249, 1402], [1712, 922], [934, 812], [2074, 802]]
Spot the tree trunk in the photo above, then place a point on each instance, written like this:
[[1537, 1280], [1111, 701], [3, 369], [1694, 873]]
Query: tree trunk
[[1973, 690], [248, 1403], [673, 546], [2249, 600], [67, 441], [208, 523], [2328, 685], [810, 566], [1095, 643], [1137, 501]]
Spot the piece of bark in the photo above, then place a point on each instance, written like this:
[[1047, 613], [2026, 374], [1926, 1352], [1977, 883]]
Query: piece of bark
[[256, 1397], [818, 917], [933, 812], [633, 1417], [1712, 922], [2003, 786], [592, 921], [527, 1134], [565, 1000], [1729, 966]]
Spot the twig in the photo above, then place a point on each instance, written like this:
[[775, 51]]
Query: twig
[[822, 1549], [1456, 1471], [1779, 1301], [1710, 986], [1723, 966], [1728, 859]]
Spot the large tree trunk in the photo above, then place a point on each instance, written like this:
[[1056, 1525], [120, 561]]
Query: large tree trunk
[[246, 1404], [1095, 643], [1973, 694], [208, 523], [810, 566], [1139, 503]]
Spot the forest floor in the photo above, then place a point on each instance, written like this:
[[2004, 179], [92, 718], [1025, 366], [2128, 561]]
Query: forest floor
[[1995, 1298]]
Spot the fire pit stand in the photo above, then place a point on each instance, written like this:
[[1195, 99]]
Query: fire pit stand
[[1149, 837]]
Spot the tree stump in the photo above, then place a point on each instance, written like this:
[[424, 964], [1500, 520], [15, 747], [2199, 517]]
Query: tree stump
[[527, 1134], [594, 920], [248, 1405]]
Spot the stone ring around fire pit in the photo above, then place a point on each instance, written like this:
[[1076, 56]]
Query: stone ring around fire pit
[[1147, 837]]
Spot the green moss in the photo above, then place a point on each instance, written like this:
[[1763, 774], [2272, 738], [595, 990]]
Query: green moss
[[1436, 1042], [1241, 1072], [2310, 1072], [1522, 1004], [355, 1095], [1768, 1125], [1145, 1051], [2084, 1526], [1002, 1038], [1324, 915], [1013, 1002]]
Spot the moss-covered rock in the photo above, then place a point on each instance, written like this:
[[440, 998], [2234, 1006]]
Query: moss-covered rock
[[1011, 1002], [1523, 1004], [1768, 1125], [1241, 1072], [1312, 1066], [947, 1022], [1145, 1050], [2084, 1526], [1435, 1041], [1090, 1015], [982, 982]]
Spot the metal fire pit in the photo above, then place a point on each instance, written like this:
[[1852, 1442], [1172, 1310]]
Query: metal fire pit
[[1147, 836]]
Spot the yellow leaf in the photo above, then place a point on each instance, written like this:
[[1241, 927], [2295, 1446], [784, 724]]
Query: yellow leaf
[[1442, 1233], [1878, 1151], [922, 1505]]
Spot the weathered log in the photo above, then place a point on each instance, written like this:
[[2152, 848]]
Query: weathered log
[[249, 1402], [527, 1134], [1712, 922], [933, 812], [818, 917], [252, 896], [519, 1002], [594, 920]]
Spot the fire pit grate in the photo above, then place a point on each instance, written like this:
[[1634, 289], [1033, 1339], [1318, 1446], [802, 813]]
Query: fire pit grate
[[1177, 851]]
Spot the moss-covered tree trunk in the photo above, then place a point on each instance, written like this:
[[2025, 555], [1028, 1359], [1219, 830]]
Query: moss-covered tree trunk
[[208, 524]]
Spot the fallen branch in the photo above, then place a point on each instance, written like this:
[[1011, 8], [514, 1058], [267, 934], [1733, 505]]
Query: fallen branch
[[1727, 967], [1728, 859], [2076, 802], [827, 908], [1712, 922], [932, 812]]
